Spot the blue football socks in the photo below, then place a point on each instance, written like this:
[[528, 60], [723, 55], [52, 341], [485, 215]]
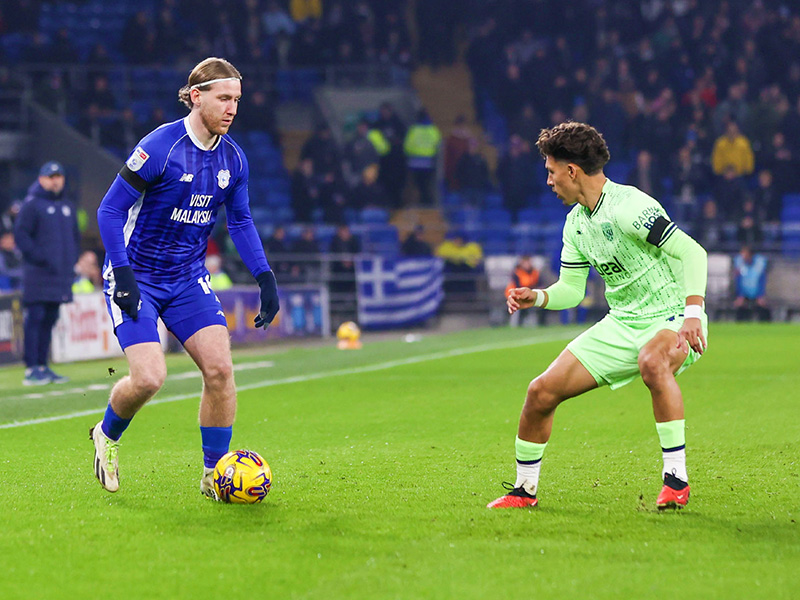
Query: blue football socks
[[216, 442]]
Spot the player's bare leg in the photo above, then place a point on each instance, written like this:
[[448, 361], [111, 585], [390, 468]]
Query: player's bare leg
[[210, 349], [565, 378], [659, 360], [147, 371]]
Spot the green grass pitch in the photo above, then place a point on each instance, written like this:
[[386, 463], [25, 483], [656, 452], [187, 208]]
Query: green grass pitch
[[384, 459]]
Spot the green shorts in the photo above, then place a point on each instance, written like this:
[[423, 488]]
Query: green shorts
[[610, 349]]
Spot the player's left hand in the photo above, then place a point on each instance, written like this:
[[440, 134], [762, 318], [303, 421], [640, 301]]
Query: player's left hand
[[269, 299], [691, 335]]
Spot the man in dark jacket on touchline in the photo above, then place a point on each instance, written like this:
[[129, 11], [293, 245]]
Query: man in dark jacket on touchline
[[46, 231]]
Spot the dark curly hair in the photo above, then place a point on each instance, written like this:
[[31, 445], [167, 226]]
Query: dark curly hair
[[577, 143]]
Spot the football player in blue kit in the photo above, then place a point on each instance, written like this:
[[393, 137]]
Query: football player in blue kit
[[155, 221]]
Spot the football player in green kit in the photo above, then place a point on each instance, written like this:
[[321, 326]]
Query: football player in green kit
[[655, 277]]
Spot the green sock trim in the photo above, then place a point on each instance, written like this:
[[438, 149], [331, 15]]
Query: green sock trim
[[527, 451], [672, 433]]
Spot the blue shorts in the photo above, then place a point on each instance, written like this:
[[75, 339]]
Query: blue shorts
[[185, 307]]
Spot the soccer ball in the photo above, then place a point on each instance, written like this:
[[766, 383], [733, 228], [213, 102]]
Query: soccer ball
[[348, 331], [242, 477]]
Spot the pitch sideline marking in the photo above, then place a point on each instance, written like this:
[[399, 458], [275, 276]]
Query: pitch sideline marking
[[315, 376]]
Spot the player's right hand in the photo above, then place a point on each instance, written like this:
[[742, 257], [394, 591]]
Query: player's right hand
[[269, 299], [521, 297], [126, 291]]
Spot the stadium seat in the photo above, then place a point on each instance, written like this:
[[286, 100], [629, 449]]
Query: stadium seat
[[496, 218], [496, 241], [380, 239], [617, 171], [374, 215]]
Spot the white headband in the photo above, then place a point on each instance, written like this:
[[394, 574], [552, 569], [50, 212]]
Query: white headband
[[205, 83]]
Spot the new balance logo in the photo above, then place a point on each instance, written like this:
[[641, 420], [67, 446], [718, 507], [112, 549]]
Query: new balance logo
[[188, 177]]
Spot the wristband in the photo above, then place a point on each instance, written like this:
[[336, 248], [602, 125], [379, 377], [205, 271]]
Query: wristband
[[538, 301], [693, 311]]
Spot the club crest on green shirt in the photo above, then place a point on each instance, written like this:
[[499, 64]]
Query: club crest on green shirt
[[607, 231]]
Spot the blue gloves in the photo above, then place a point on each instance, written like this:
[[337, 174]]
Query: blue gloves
[[126, 291], [269, 299]]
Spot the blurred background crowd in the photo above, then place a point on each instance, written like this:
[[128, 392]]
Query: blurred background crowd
[[698, 101]]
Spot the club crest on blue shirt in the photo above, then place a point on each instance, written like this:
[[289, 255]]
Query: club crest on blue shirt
[[223, 178], [607, 231]]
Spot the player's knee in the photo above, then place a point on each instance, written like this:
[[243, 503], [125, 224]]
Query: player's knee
[[218, 374], [148, 383], [540, 398], [653, 366]]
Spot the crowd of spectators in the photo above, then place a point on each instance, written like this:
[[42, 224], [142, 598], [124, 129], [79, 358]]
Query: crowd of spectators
[[370, 170], [255, 35], [701, 99]]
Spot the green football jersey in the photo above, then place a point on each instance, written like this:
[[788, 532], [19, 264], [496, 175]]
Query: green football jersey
[[642, 282]]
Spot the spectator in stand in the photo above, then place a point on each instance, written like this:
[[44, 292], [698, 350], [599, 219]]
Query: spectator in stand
[[414, 245], [359, 154], [751, 285], [88, 278], [645, 175], [749, 223], [277, 248], [463, 261], [421, 148], [276, 21], [136, 30], [10, 262], [734, 108], [524, 275], [305, 191], [527, 124], [688, 180], [766, 115], [343, 270], [455, 146], [512, 92], [369, 193], [220, 280], [732, 149], [767, 198], [791, 126], [46, 232], [52, 93], [323, 151], [473, 174], [260, 115], [335, 199], [102, 96], [730, 193], [710, 225], [393, 163], [305, 10], [780, 160], [306, 250], [515, 174]]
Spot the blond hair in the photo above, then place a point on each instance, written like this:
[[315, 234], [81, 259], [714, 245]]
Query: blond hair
[[206, 72]]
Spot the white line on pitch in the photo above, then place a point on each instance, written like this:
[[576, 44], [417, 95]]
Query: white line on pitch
[[320, 375]]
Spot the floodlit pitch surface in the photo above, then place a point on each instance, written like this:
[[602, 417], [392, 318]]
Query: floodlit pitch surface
[[384, 459]]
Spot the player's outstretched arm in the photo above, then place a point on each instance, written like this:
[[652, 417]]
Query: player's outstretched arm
[[523, 297], [694, 260]]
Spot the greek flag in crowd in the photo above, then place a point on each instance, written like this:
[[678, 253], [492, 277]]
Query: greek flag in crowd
[[396, 292]]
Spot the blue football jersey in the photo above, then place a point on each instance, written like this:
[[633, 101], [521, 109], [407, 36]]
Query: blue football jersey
[[182, 187]]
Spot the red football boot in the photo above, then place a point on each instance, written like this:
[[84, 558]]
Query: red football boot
[[515, 498], [674, 494]]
